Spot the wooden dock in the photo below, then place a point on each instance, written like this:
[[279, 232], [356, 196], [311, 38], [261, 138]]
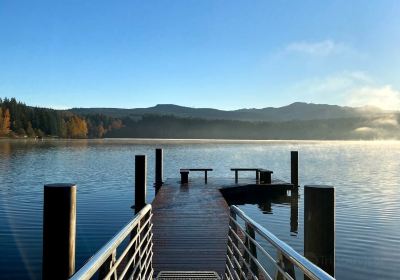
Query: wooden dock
[[191, 223], [190, 229]]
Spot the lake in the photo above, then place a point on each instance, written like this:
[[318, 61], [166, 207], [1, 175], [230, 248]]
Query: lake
[[366, 176]]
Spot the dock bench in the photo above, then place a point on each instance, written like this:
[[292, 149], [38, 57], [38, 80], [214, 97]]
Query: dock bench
[[266, 174], [244, 169], [185, 174]]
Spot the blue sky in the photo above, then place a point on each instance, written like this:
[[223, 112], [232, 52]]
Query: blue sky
[[203, 53]]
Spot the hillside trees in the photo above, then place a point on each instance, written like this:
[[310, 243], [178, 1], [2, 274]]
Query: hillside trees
[[20, 120]]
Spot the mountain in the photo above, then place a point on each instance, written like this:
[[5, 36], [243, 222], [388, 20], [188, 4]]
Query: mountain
[[296, 111]]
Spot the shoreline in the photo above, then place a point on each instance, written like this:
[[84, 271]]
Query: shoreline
[[195, 141]]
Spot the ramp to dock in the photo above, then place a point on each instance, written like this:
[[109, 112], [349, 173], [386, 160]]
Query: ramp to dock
[[190, 227]]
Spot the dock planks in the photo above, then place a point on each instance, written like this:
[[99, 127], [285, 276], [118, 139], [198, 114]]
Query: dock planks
[[190, 223], [190, 227]]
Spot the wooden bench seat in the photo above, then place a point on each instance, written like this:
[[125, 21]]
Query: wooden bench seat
[[266, 174], [185, 174]]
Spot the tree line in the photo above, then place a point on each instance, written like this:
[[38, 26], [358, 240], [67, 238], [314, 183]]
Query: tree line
[[20, 120], [172, 127]]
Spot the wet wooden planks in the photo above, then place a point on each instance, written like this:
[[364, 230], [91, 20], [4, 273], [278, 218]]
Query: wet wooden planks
[[190, 227]]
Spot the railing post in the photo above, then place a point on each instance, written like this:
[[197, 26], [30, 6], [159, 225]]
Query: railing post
[[107, 265], [286, 265], [59, 231], [159, 169], [294, 168], [140, 182], [319, 226], [234, 240]]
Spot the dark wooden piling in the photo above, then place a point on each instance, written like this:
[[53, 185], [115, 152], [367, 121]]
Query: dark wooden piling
[[294, 168], [294, 210], [159, 167], [59, 231], [319, 226], [140, 182]]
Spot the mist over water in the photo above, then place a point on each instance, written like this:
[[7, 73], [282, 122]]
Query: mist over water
[[365, 174]]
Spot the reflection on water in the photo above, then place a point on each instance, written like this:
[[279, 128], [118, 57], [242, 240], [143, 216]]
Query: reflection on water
[[268, 201], [366, 176]]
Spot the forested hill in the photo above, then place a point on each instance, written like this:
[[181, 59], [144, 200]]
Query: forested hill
[[296, 121], [298, 111]]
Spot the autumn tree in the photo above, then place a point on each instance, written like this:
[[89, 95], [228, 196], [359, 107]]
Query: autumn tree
[[4, 122], [77, 127]]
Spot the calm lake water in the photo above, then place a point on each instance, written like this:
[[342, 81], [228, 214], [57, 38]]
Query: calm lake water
[[366, 176]]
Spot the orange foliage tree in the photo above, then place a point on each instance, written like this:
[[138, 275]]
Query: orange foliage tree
[[4, 122], [77, 128]]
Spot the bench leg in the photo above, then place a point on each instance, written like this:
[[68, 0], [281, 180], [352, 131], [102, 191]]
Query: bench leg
[[205, 177], [268, 179], [265, 178], [257, 175], [236, 176], [184, 177]]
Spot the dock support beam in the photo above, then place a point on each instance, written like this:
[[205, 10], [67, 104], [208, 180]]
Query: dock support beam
[[158, 169], [140, 182], [294, 168], [319, 226], [59, 231]]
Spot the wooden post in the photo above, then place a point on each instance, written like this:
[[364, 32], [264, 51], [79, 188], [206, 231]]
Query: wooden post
[[294, 168], [159, 167], [319, 226], [140, 182], [59, 231], [294, 210]]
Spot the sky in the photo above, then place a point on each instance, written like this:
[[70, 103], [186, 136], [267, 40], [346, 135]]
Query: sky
[[200, 53]]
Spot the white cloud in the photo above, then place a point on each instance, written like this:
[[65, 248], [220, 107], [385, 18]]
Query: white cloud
[[385, 97], [334, 83], [320, 48], [351, 88]]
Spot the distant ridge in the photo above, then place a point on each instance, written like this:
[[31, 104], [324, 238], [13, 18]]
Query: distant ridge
[[294, 111]]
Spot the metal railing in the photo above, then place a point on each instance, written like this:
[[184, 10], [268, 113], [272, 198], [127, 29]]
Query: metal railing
[[133, 261], [248, 259]]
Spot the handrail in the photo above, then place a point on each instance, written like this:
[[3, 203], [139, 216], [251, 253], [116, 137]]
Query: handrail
[[142, 237], [287, 253]]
